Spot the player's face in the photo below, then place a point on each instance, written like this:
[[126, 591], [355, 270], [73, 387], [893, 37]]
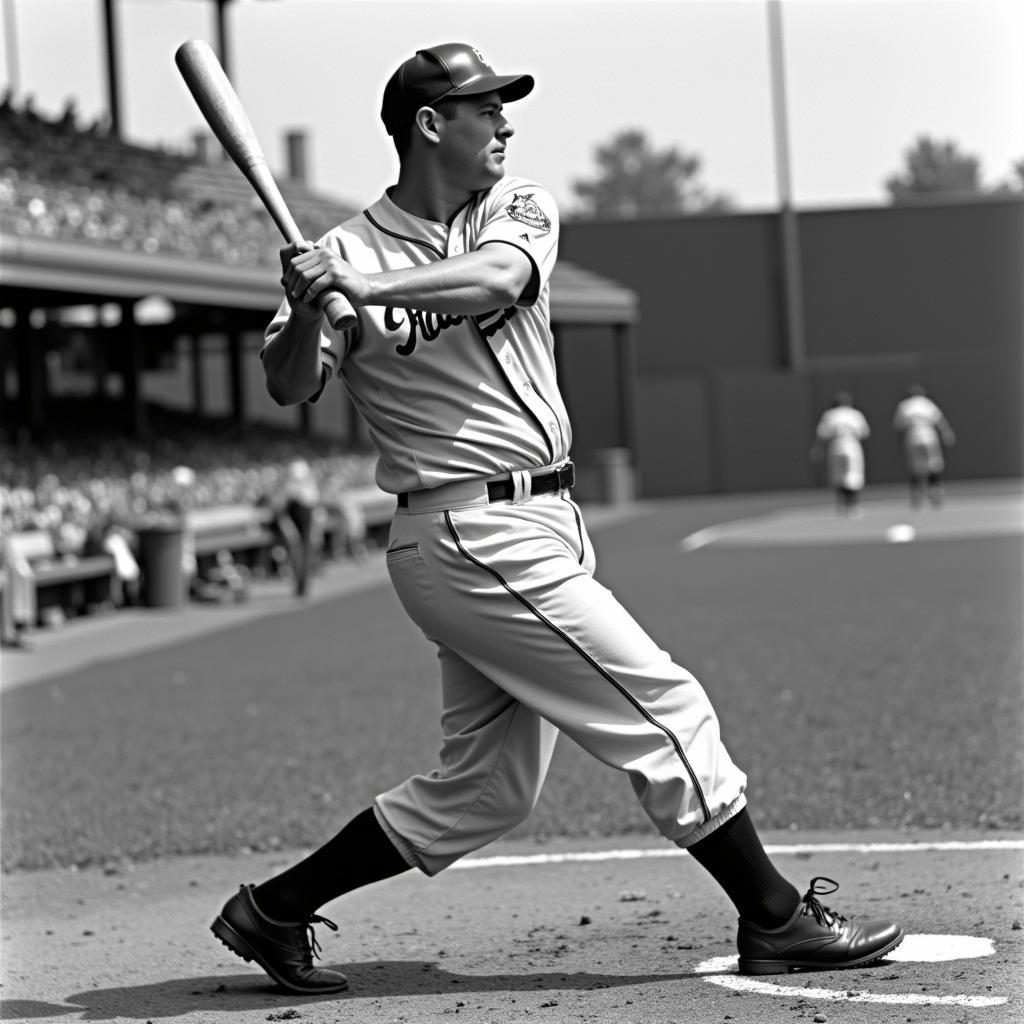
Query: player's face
[[473, 142]]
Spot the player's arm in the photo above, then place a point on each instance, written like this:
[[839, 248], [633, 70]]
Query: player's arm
[[292, 355], [491, 277], [946, 432]]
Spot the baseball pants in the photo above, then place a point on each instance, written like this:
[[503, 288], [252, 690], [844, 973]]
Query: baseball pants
[[531, 644]]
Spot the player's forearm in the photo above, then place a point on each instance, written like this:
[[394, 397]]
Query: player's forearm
[[475, 282], [292, 362]]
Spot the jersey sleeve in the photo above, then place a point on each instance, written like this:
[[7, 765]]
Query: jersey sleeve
[[523, 213], [334, 345]]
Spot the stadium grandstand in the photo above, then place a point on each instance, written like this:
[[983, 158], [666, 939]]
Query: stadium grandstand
[[125, 266], [77, 476]]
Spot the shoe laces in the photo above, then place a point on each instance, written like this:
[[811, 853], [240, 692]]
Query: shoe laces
[[314, 946], [812, 905]]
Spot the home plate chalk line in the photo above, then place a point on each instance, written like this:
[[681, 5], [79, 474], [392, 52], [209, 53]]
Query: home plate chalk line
[[724, 971], [773, 849]]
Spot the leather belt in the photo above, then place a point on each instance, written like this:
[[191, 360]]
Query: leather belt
[[546, 482]]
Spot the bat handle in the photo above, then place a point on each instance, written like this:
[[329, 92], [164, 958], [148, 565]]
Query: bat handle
[[338, 310]]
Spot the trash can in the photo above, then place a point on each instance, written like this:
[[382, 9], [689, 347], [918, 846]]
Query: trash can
[[616, 478], [161, 553]]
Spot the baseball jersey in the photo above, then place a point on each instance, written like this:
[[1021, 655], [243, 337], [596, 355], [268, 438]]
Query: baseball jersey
[[450, 396], [919, 416], [843, 427]]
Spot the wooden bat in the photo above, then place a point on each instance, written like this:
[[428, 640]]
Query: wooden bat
[[225, 114]]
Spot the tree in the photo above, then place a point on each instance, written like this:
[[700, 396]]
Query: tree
[[633, 178], [1016, 182], [934, 167]]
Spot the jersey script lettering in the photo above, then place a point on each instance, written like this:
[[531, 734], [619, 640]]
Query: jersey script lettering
[[429, 325]]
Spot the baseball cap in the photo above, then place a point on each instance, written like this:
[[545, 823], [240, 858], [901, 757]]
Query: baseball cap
[[444, 72]]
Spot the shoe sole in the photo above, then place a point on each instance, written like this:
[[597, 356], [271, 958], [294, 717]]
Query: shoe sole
[[227, 935], [785, 966]]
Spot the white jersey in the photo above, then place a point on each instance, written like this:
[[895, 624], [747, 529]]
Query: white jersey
[[843, 427], [919, 417], [449, 397]]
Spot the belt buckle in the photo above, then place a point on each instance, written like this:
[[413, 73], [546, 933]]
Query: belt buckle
[[566, 477]]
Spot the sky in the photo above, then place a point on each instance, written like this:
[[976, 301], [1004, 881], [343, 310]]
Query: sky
[[864, 79]]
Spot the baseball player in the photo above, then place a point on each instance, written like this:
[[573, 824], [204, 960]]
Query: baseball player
[[839, 434], [924, 431], [452, 366]]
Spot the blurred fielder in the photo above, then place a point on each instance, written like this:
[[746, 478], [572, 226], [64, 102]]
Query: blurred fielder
[[924, 430], [839, 436]]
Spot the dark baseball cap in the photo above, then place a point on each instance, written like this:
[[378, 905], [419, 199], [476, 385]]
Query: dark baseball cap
[[447, 71]]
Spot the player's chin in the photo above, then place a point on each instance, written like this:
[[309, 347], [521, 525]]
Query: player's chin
[[495, 169]]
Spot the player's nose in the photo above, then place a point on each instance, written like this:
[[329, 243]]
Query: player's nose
[[505, 130]]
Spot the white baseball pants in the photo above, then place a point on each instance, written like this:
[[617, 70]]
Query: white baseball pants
[[530, 644]]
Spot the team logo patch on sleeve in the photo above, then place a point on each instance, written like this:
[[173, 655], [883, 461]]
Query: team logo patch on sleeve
[[526, 211]]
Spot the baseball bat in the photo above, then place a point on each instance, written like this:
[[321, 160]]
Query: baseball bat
[[224, 113]]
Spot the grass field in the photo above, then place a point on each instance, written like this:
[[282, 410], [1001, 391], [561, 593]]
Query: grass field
[[860, 685]]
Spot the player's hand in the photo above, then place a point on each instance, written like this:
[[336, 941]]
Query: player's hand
[[307, 271]]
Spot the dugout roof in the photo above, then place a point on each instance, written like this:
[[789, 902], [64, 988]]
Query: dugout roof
[[48, 273]]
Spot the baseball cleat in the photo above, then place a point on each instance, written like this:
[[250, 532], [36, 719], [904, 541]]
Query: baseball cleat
[[284, 950], [815, 938]]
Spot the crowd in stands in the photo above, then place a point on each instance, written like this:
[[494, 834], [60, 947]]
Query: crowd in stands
[[74, 487], [93, 495], [60, 180], [65, 181]]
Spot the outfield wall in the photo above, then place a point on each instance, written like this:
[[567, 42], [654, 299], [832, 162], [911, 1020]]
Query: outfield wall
[[891, 295]]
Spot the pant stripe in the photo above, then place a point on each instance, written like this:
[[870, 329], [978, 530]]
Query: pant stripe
[[673, 739]]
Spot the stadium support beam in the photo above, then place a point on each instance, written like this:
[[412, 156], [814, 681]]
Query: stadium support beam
[[31, 362], [236, 377], [625, 362], [131, 339], [223, 49], [113, 76], [198, 377]]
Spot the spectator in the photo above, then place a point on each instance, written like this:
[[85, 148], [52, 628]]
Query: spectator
[[18, 611], [301, 521]]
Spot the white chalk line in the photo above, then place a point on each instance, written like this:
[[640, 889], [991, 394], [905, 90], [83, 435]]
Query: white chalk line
[[724, 972], [744, 984], [577, 856]]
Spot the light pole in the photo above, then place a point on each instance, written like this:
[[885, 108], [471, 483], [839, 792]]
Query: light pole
[[789, 234]]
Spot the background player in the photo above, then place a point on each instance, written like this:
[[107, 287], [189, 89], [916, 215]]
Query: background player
[[839, 436], [923, 430], [452, 366]]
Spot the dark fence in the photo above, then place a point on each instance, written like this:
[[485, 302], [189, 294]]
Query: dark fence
[[894, 295]]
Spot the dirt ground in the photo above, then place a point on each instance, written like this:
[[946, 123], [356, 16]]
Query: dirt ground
[[644, 940]]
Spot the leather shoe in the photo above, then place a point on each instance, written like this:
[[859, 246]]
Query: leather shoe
[[815, 938], [284, 950]]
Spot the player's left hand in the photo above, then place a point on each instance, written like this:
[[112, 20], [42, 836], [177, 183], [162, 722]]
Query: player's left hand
[[311, 271]]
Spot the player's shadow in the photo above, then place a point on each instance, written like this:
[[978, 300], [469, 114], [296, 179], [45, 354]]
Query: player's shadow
[[231, 993]]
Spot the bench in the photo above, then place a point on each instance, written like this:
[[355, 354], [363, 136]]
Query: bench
[[246, 531], [72, 583], [376, 509]]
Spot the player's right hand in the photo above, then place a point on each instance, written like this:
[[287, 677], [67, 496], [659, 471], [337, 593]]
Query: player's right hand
[[310, 270], [301, 307]]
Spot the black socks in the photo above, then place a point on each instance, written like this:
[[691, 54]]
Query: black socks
[[735, 858], [362, 853], [359, 854]]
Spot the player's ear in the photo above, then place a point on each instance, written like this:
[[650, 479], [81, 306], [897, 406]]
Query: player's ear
[[426, 123]]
